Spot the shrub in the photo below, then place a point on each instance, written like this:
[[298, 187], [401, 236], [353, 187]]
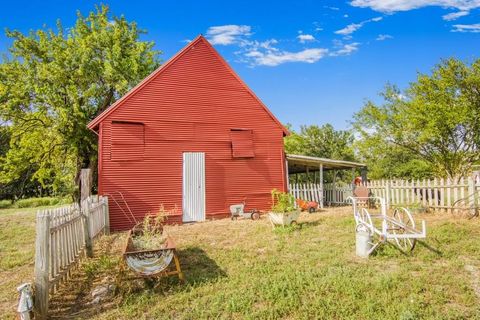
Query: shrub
[[4, 204], [37, 202]]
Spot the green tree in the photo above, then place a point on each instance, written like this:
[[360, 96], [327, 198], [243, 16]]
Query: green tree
[[434, 123], [322, 141], [54, 82]]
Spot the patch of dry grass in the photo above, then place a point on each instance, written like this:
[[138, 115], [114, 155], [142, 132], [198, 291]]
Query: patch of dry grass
[[244, 269]]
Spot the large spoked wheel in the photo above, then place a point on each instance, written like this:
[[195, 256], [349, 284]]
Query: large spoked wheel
[[364, 220], [464, 209], [405, 220]]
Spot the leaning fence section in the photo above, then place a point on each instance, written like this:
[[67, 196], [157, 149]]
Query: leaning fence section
[[63, 236]]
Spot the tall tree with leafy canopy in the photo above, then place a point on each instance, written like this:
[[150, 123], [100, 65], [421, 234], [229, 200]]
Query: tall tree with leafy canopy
[[436, 120], [320, 141], [55, 81]]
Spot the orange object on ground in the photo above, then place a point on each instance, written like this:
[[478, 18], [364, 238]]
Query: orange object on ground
[[310, 206]]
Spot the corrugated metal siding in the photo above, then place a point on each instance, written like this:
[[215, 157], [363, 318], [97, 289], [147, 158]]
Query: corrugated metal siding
[[193, 186], [242, 143], [192, 107]]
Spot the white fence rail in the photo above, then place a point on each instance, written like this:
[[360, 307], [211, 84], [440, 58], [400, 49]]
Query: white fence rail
[[336, 194], [438, 194], [307, 191], [327, 194], [62, 236]]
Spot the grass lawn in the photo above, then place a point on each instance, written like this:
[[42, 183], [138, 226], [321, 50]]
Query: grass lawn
[[244, 269], [17, 238]]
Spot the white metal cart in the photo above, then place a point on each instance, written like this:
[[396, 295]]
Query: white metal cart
[[399, 228]]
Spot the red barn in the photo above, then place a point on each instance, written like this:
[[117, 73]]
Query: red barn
[[193, 136]]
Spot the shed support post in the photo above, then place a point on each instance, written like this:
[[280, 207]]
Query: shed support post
[[321, 186], [334, 186], [288, 176]]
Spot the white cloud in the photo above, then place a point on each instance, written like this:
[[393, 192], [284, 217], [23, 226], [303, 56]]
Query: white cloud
[[332, 8], [346, 49], [455, 15], [351, 28], [305, 38], [382, 37], [474, 28], [227, 34], [317, 29], [390, 6], [345, 15], [272, 59]]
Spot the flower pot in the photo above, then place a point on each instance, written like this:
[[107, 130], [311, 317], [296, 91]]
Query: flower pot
[[283, 219]]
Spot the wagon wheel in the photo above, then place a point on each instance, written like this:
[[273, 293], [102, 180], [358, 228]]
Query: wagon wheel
[[255, 215], [404, 217], [464, 208], [364, 220]]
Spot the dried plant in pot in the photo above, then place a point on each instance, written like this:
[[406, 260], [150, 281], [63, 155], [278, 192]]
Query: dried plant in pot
[[283, 210], [148, 234]]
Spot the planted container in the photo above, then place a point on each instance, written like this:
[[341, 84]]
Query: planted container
[[283, 210]]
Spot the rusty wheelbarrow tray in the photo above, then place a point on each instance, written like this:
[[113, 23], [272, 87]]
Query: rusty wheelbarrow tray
[[152, 263]]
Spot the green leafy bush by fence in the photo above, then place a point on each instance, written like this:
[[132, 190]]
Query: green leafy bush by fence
[[33, 202]]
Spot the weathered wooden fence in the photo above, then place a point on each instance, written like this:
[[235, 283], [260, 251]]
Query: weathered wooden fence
[[307, 191], [63, 235], [337, 193], [328, 194], [438, 194]]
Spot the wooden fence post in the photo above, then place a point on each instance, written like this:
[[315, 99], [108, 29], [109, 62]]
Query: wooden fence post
[[471, 195], [42, 264], [387, 193], [107, 216], [85, 191], [85, 209]]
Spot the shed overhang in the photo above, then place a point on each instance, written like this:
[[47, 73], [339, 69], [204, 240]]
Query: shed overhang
[[301, 164]]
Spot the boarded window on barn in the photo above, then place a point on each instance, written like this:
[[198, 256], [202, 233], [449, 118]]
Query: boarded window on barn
[[128, 141], [242, 143]]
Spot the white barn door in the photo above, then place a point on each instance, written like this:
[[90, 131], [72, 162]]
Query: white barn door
[[193, 186]]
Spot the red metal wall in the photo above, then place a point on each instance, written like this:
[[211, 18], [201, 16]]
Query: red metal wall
[[191, 106]]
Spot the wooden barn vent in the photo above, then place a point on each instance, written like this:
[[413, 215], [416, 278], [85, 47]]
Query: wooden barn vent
[[242, 143]]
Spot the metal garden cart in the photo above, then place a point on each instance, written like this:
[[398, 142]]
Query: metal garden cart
[[399, 228]]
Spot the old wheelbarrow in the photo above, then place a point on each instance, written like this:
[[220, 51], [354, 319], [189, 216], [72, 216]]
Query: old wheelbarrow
[[152, 263], [399, 228]]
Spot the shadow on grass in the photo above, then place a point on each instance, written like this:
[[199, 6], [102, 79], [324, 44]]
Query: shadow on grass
[[74, 300], [198, 267]]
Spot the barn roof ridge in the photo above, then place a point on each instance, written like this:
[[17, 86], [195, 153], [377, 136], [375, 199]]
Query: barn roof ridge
[[99, 118]]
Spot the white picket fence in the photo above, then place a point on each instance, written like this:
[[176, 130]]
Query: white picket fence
[[329, 194], [337, 194], [307, 191], [63, 235], [438, 194]]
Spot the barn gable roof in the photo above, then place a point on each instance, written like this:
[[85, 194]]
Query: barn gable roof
[[95, 122]]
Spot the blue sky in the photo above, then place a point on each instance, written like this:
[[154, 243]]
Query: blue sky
[[311, 62]]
